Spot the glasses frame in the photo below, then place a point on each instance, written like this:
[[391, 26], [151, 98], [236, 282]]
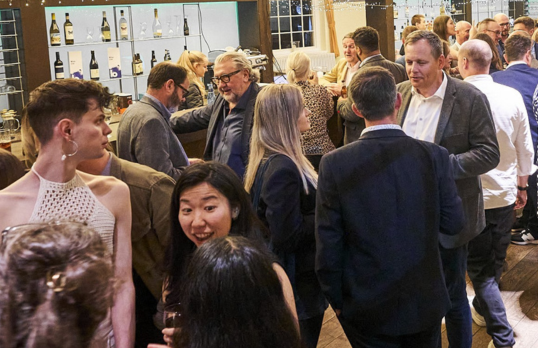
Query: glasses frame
[[185, 91], [224, 78], [495, 32]]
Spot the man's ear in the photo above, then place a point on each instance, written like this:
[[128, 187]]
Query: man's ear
[[64, 127], [398, 103], [356, 111]]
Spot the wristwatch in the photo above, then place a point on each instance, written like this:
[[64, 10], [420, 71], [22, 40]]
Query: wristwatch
[[523, 188]]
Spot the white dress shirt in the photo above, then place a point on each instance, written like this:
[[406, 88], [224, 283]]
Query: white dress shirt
[[351, 70], [515, 143], [423, 113]]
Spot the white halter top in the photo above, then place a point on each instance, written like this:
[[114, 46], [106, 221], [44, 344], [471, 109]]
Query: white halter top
[[73, 201]]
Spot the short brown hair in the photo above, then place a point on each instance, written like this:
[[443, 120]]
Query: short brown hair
[[165, 71], [433, 40], [373, 91], [416, 19], [408, 30], [528, 22], [517, 45], [69, 98], [483, 25], [367, 38]]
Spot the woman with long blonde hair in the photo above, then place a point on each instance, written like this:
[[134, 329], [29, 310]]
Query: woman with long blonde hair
[[196, 64], [282, 184]]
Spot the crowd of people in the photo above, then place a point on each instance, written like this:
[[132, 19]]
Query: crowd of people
[[275, 223]]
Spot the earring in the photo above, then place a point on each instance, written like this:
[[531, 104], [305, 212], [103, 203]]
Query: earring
[[235, 213], [75, 145]]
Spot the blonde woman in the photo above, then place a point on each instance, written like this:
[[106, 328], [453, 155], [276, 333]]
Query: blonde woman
[[282, 184], [318, 100], [196, 64]]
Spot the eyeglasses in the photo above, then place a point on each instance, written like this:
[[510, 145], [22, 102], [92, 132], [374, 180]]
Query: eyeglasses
[[185, 91], [507, 24], [224, 78], [497, 32]]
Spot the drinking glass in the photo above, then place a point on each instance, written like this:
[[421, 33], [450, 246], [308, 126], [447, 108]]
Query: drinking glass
[[5, 139], [143, 28], [179, 26], [89, 31], [170, 29], [172, 316]]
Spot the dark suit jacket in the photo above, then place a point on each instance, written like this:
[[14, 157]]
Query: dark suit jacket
[[354, 124], [467, 131], [206, 118], [382, 202], [524, 79]]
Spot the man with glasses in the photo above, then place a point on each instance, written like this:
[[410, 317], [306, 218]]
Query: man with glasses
[[504, 23], [526, 24], [493, 30], [229, 119], [144, 133]]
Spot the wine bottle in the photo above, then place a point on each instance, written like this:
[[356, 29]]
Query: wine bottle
[[167, 55], [137, 65], [58, 68], [94, 68], [124, 31], [157, 28], [185, 27], [442, 11], [153, 59], [68, 31], [395, 10], [105, 29], [55, 38]]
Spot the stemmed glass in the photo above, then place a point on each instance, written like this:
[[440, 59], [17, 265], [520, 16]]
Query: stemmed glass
[[172, 316], [143, 28], [179, 27], [89, 31]]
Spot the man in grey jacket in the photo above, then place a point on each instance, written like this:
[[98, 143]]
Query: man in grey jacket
[[144, 133]]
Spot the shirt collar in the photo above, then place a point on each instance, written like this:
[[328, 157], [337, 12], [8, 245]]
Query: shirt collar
[[440, 93], [380, 127], [479, 78], [355, 66], [166, 112], [368, 58], [517, 62], [243, 101]]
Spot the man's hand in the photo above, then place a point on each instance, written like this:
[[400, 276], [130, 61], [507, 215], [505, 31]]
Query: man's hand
[[521, 199], [195, 160], [335, 88], [474, 30]]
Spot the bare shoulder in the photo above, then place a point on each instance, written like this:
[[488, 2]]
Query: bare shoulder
[[17, 201], [112, 192]]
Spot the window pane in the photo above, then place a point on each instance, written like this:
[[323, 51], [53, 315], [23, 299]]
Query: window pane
[[284, 8], [274, 25], [295, 7], [274, 8], [307, 20], [275, 42], [307, 6], [296, 24], [298, 37], [285, 41], [308, 39], [285, 25]]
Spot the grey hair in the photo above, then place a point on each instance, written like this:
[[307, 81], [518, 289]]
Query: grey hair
[[240, 62]]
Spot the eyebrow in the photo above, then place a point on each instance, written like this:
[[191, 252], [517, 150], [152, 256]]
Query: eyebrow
[[206, 198]]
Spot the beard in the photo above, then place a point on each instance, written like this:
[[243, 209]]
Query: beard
[[174, 102], [230, 98]]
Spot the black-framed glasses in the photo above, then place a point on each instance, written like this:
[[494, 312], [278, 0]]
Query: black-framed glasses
[[224, 78], [497, 32], [507, 24], [185, 91]]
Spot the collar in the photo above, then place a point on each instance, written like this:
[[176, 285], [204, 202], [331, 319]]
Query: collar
[[380, 127], [479, 78], [368, 58], [167, 113], [440, 93], [517, 62], [355, 66], [457, 45], [243, 101]]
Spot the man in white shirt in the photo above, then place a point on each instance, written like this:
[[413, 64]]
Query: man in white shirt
[[457, 116], [462, 34], [504, 189]]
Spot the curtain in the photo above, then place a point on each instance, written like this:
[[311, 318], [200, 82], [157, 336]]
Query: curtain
[[329, 12]]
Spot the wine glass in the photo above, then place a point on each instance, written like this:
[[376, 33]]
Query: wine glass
[[179, 26], [170, 30], [89, 31], [172, 316], [143, 28]]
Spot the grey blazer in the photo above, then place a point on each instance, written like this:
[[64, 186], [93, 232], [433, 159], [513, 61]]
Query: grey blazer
[[145, 137], [354, 124], [467, 131]]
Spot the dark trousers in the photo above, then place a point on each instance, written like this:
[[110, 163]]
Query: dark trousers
[[146, 306], [487, 252], [423, 339], [310, 329], [529, 219], [458, 319]]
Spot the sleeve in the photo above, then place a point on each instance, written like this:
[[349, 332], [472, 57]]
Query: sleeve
[[192, 121], [329, 236], [483, 153], [344, 108], [330, 77], [152, 150], [327, 102], [159, 204], [281, 193], [194, 98], [523, 139], [451, 209]]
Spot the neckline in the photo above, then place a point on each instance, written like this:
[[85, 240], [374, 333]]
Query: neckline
[[68, 184]]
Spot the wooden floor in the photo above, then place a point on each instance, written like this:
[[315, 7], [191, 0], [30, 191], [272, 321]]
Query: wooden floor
[[519, 288]]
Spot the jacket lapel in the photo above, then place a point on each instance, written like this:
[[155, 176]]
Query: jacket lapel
[[406, 100], [446, 110]]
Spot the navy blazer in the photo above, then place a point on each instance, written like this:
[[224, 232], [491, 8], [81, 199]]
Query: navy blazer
[[381, 203], [524, 79]]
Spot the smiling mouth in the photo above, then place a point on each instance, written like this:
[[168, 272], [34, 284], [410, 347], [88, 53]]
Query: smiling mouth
[[202, 237]]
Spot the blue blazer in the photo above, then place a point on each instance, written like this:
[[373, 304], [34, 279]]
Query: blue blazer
[[382, 202], [524, 79]]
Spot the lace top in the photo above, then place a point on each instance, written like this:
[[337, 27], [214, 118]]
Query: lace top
[[73, 201]]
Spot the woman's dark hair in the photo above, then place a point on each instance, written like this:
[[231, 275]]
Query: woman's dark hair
[[11, 169], [232, 298], [439, 26], [56, 286], [180, 248], [496, 61]]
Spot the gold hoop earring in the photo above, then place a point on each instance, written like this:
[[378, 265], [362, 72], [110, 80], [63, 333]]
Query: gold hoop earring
[[64, 156]]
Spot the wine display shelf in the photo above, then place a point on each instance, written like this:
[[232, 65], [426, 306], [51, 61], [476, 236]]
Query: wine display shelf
[[128, 82]]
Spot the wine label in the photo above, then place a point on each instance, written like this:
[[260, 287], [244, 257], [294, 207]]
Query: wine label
[[123, 30], [106, 34], [158, 33], [69, 33], [94, 73], [75, 64], [60, 75], [55, 39], [114, 62]]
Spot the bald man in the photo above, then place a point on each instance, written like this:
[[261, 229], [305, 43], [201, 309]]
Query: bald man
[[504, 23], [501, 190], [462, 34]]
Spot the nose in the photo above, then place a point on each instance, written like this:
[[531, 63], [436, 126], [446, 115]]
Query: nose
[[107, 130], [198, 220]]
